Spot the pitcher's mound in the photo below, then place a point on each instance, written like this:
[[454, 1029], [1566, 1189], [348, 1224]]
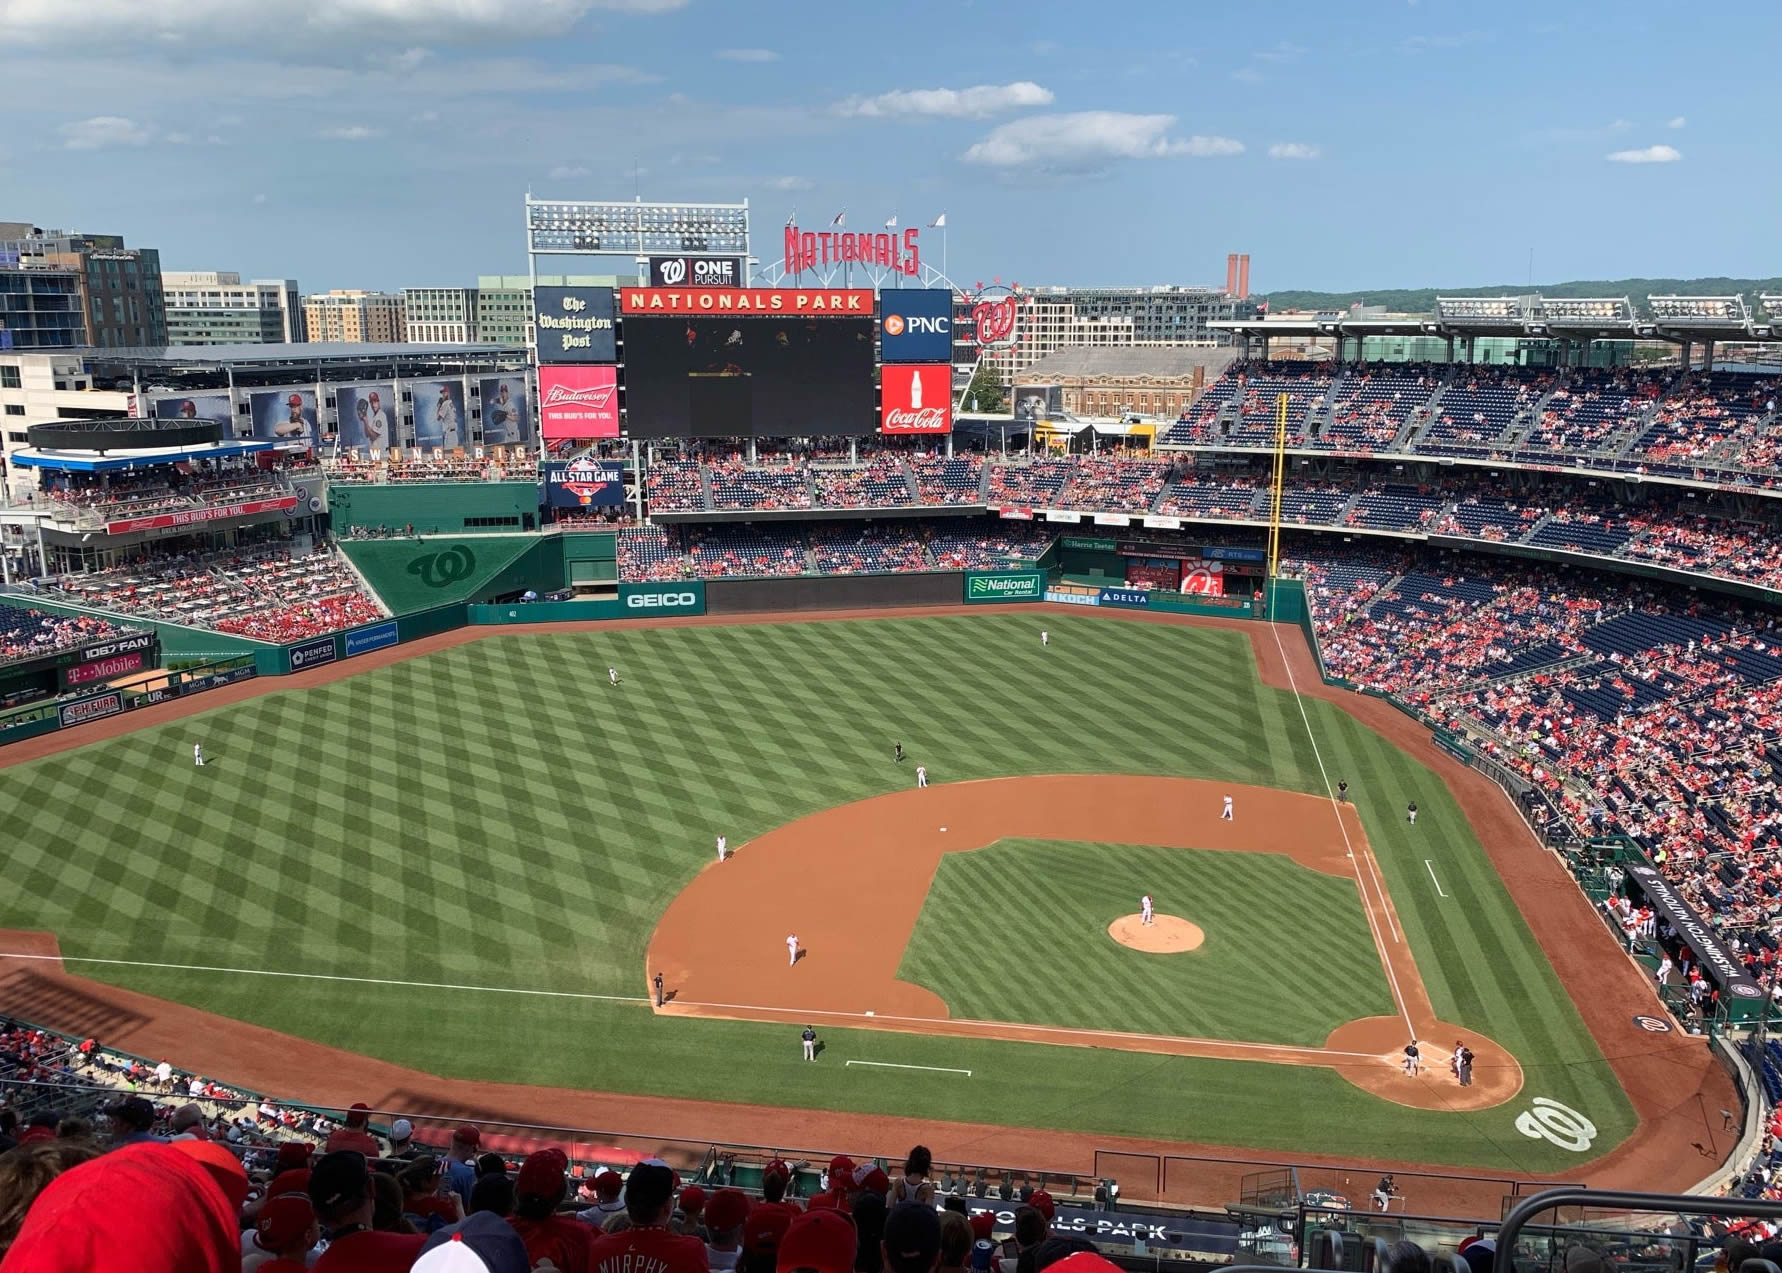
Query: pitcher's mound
[[1164, 935]]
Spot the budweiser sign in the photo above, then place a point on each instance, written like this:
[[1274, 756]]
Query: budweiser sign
[[216, 513], [856, 302], [916, 397], [578, 402], [808, 251]]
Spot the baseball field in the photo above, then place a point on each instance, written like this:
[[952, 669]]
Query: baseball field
[[470, 861]]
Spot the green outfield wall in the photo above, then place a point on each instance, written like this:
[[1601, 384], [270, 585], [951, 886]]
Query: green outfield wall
[[434, 508]]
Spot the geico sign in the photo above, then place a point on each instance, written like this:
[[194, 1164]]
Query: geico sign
[[660, 600]]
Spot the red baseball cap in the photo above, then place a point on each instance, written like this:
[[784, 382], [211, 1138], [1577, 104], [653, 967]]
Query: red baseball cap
[[840, 1165], [285, 1220], [822, 1241], [1085, 1262], [692, 1201], [294, 1153], [294, 1181], [726, 1209], [609, 1183], [295, 400], [356, 1114], [876, 1180], [1041, 1201], [983, 1224], [541, 1175], [765, 1227], [777, 1167], [468, 1135]]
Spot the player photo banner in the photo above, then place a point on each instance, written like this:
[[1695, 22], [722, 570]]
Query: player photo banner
[[782, 302], [284, 415], [193, 407], [507, 411], [439, 413], [367, 415], [578, 402], [916, 398]]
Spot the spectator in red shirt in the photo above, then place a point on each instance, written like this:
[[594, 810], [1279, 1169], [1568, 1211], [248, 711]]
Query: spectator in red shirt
[[649, 1201], [564, 1240], [427, 1200], [818, 1242], [340, 1189], [354, 1135]]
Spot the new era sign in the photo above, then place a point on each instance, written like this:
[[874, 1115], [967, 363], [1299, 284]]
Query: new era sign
[[578, 402]]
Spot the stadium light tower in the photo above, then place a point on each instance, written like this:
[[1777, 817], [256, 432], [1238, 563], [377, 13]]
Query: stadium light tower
[[636, 229]]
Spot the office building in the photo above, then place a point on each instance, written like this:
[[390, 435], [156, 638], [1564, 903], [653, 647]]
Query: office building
[[214, 307], [440, 315], [1164, 314], [355, 317], [504, 310], [118, 288]]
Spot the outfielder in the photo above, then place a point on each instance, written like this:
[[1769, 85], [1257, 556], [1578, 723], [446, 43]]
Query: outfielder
[[921, 775], [612, 674], [792, 948], [1225, 813], [1411, 813], [723, 844], [1045, 637], [198, 754], [1145, 909]]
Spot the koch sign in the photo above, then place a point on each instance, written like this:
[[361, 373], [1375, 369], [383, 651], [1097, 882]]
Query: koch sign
[[575, 324], [696, 271], [916, 325]]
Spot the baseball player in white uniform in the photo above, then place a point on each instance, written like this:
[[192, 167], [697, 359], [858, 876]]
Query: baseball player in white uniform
[[921, 775], [445, 415], [722, 845], [1045, 637], [1225, 814], [792, 948], [1145, 909], [612, 674], [377, 426], [198, 754]]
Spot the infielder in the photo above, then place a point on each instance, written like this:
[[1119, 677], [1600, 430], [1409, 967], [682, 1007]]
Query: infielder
[[810, 1043], [1225, 813], [198, 754], [1145, 909], [921, 775], [1045, 637], [792, 948], [612, 674], [723, 844]]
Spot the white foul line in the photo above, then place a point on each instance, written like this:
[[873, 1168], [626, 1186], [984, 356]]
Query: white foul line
[[893, 1065], [1432, 878], [322, 976], [1367, 908]]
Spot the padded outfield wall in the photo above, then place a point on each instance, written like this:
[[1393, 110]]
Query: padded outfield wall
[[434, 508]]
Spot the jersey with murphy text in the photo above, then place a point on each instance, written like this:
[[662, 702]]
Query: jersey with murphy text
[[649, 1250]]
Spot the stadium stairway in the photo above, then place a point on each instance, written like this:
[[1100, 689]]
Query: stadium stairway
[[909, 478], [705, 489]]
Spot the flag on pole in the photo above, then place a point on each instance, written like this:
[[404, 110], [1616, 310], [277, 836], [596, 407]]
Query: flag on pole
[[892, 223], [841, 218], [939, 223], [793, 219]]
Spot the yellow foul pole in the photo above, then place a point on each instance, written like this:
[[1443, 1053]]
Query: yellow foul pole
[[1274, 520]]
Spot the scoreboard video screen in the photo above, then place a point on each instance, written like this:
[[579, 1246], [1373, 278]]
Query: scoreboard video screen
[[703, 375]]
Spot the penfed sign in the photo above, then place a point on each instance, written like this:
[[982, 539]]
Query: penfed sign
[[982, 587]]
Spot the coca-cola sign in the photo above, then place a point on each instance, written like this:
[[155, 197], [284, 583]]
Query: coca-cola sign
[[578, 402], [994, 312], [916, 397], [806, 250]]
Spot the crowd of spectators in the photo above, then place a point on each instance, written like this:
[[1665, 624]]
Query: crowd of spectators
[[880, 483], [270, 593], [841, 549], [417, 464], [35, 634]]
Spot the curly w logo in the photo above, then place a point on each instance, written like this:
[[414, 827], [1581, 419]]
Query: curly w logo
[[441, 570]]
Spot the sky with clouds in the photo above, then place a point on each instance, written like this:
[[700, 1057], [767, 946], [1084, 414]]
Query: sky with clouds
[[389, 143]]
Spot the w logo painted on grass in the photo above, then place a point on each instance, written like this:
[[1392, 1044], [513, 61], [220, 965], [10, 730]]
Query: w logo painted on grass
[[1557, 1125], [441, 570]]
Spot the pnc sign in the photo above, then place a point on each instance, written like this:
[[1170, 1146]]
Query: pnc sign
[[805, 250]]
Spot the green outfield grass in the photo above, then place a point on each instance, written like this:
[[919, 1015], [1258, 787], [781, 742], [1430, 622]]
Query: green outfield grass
[[497, 815], [1294, 982]]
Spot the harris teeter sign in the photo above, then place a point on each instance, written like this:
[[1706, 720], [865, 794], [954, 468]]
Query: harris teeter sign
[[1004, 585]]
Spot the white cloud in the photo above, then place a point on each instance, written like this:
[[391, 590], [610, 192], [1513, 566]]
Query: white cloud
[[1292, 150], [350, 132], [179, 139], [1677, 121], [427, 117], [205, 21], [563, 172], [259, 199], [1649, 155], [790, 183], [748, 55], [1247, 75], [978, 102], [1285, 51], [1087, 140], [102, 131], [409, 59]]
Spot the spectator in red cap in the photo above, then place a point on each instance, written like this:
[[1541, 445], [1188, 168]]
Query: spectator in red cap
[[818, 1242], [353, 1135], [281, 1238], [874, 1180], [427, 1198], [26, 1172], [1041, 1201], [725, 1213], [608, 1185], [467, 1141], [178, 1217], [293, 1154], [564, 1240], [648, 1242], [762, 1233], [983, 1225], [340, 1189], [688, 1211]]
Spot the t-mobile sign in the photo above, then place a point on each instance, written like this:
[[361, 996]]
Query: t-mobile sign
[[578, 402], [916, 397]]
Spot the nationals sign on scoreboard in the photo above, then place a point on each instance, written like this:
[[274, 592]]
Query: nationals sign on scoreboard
[[578, 402], [916, 397]]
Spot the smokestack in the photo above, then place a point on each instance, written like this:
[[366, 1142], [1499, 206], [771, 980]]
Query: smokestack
[[1231, 272], [1243, 276]]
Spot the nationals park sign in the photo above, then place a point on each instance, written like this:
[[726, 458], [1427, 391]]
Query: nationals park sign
[[1004, 585], [824, 302]]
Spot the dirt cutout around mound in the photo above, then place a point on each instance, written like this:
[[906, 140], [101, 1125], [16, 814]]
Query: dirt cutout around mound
[[1164, 935], [723, 948]]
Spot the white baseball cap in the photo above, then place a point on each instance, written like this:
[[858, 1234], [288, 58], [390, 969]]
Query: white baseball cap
[[401, 1129]]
